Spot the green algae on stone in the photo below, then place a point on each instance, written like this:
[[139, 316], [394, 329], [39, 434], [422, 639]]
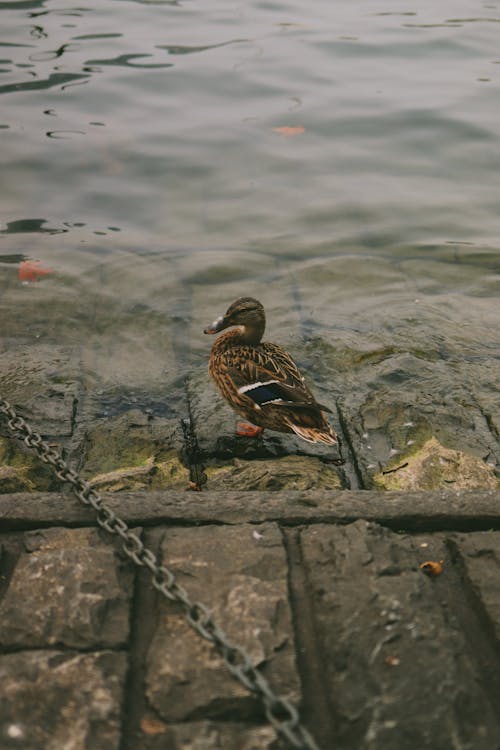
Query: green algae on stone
[[165, 474], [123, 441], [433, 466], [127, 478], [15, 479], [288, 472], [134, 451], [169, 472], [22, 471]]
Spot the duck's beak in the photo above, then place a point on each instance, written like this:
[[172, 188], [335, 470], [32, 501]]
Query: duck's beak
[[216, 326]]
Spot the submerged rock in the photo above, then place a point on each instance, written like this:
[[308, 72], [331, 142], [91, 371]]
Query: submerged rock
[[432, 466], [288, 472], [152, 475], [134, 451]]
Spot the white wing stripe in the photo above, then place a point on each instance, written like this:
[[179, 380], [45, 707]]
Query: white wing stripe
[[245, 388]]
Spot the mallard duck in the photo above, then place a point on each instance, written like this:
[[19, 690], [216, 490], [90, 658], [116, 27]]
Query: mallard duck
[[260, 380]]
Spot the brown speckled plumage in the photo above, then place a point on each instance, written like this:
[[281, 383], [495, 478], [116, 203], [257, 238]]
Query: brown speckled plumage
[[239, 359]]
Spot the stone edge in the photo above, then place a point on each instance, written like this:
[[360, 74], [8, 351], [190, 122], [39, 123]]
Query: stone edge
[[435, 510]]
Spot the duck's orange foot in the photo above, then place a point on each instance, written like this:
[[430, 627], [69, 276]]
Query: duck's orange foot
[[247, 429]]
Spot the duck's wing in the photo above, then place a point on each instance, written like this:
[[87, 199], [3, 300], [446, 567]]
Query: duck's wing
[[268, 375]]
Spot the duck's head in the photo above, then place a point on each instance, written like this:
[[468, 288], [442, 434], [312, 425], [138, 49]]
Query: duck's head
[[247, 313]]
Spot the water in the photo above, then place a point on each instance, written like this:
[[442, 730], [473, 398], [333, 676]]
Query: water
[[144, 162]]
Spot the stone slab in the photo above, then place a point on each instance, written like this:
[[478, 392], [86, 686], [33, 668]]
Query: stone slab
[[241, 572], [68, 587], [397, 669], [61, 699], [402, 382], [440, 509], [42, 381]]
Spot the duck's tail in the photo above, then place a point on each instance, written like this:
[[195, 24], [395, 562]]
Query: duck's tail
[[315, 434]]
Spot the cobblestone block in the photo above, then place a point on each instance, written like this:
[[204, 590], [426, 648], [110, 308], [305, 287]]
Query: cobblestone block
[[397, 669], [480, 556], [241, 573], [51, 700], [69, 588]]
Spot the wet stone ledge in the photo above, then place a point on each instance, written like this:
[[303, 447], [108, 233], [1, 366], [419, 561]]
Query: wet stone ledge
[[413, 511], [123, 439]]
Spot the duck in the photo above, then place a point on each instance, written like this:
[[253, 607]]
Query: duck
[[260, 380]]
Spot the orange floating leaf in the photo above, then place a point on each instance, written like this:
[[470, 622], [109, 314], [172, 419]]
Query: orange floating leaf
[[31, 270], [288, 131]]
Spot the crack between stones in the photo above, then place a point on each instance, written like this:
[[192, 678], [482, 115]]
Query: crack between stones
[[143, 607], [191, 450], [357, 474], [410, 524], [477, 627], [64, 648], [315, 707], [488, 420], [72, 418], [9, 557]]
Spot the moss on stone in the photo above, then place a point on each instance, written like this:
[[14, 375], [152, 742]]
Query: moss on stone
[[169, 473], [117, 443], [22, 471], [132, 451], [432, 466], [288, 472], [126, 478], [15, 479]]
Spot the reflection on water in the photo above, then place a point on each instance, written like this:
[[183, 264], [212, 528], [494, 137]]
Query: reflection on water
[[55, 79], [128, 60], [21, 226], [175, 49], [149, 135]]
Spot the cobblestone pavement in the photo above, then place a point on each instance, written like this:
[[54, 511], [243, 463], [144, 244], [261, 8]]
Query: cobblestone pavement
[[323, 588]]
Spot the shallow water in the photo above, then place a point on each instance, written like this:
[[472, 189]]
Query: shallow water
[[145, 164]]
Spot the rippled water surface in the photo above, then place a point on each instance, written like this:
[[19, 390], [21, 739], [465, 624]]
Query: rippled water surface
[[340, 161]]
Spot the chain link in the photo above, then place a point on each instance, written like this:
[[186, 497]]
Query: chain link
[[280, 713]]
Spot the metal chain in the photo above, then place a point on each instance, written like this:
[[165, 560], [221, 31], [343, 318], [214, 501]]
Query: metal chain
[[281, 714]]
